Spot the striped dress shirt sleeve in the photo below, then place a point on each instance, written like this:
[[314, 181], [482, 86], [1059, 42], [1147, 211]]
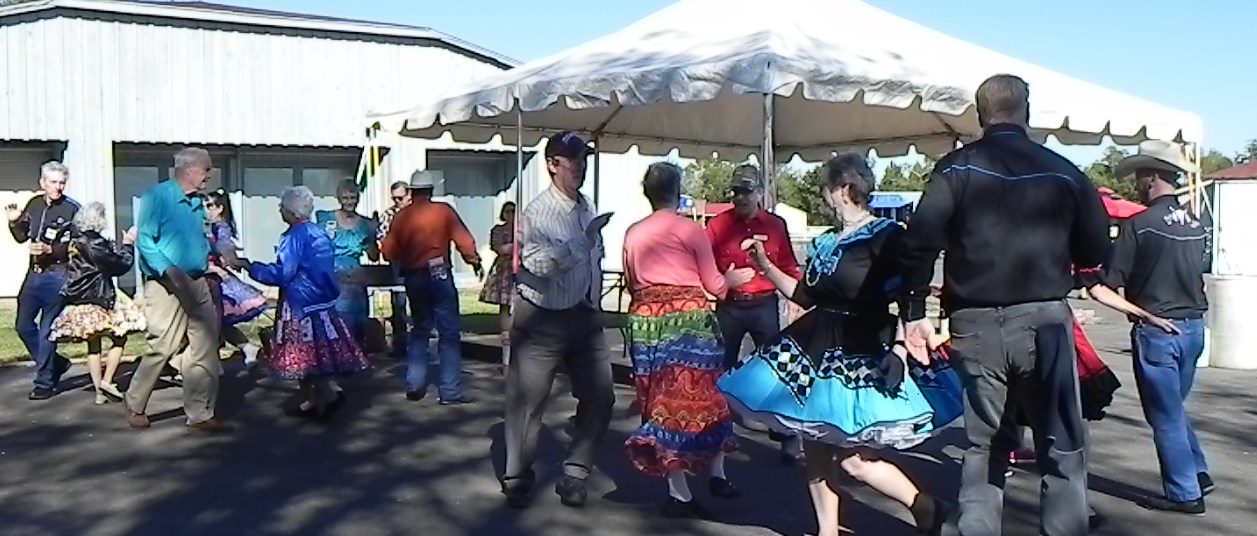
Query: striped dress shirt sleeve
[[558, 263]]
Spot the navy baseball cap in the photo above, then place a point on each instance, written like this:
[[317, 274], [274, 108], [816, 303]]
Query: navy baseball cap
[[568, 145]]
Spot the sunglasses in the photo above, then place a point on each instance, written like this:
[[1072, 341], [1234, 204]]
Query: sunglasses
[[399, 198], [212, 205]]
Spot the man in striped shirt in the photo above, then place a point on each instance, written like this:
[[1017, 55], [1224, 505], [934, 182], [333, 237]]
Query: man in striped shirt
[[556, 321]]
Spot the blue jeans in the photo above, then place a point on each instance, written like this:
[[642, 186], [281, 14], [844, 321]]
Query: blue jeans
[[38, 303], [1165, 366], [434, 303]]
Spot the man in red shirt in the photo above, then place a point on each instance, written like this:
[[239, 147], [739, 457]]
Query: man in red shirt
[[751, 308]]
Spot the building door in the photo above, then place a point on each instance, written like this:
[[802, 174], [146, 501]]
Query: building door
[[19, 180], [136, 169], [264, 175], [476, 183]]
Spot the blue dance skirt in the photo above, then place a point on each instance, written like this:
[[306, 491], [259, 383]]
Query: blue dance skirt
[[840, 399]]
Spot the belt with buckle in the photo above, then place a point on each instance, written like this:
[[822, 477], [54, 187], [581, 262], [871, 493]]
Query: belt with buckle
[[750, 296], [37, 269]]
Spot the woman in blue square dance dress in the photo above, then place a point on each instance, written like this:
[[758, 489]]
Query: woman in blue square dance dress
[[312, 343], [837, 375]]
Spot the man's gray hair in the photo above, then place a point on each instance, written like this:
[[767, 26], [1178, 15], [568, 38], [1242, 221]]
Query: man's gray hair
[[53, 166], [403, 185], [188, 157], [91, 217], [298, 201], [1003, 98]]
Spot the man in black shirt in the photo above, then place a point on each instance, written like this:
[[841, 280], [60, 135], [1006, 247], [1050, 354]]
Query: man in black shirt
[[1159, 258], [45, 223], [1013, 217]]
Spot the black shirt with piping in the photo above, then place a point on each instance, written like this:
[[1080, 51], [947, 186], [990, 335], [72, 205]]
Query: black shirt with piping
[[1014, 218]]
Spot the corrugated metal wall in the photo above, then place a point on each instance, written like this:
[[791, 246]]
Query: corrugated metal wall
[[93, 82]]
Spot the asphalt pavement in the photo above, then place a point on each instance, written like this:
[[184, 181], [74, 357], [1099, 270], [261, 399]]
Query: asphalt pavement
[[387, 466]]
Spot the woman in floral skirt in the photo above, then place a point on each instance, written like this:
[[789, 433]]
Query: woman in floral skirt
[[312, 343], [676, 348], [95, 310], [499, 285]]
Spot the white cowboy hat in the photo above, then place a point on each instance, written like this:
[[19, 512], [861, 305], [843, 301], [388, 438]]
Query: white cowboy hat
[[424, 179], [1155, 154]]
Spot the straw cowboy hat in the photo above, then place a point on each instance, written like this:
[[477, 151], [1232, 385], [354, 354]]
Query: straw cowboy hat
[[1155, 154], [424, 179]]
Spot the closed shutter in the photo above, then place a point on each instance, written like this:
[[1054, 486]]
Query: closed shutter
[[19, 179], [19, 168]]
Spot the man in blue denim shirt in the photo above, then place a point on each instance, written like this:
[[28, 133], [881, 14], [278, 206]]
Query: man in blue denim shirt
[[1159, 259], [174, 249]]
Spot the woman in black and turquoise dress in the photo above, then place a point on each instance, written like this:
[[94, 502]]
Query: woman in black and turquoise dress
[[837, 376]]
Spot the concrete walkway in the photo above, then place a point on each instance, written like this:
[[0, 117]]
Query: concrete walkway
[[392, 467]]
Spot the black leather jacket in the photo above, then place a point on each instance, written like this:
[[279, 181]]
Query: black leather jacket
[[94, 262]]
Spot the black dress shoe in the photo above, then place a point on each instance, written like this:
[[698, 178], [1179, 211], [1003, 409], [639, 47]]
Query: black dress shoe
[[675, 508], [331, 408], [1196, 507], [457, 401], [722, 488], [415, 396], [928, 513], [1206, 483], [301, 413], [518, 489], [1095, 520], [571, 492], [40, 393]]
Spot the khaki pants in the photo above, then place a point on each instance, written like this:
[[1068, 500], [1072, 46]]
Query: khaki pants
[[170, 323]]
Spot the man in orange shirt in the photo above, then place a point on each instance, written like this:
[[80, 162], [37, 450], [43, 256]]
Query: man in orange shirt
[[419, 241], [751, 309]]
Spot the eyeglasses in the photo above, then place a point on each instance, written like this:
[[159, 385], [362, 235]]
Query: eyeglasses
[[741, 191], [399, 198], [212, 205]]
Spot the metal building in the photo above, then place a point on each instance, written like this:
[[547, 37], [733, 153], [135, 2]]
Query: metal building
[[114, 88]]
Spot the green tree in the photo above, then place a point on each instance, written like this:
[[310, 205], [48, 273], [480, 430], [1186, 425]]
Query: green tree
[[907, 177], [708, 179], [802, 190], [1248, 154], [1101, 173], [1212, 161]]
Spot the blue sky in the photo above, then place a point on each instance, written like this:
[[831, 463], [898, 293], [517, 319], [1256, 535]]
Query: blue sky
[[1183, 55]]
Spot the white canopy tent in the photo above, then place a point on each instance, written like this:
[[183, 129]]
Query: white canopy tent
[[839, 74]]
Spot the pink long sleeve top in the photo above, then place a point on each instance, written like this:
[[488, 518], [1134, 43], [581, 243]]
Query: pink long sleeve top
[[668, 249]]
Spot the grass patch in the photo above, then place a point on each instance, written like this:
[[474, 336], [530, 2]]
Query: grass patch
[[477, 318]]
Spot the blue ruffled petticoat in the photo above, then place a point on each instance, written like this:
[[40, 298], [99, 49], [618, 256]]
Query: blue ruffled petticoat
[[842, 400]]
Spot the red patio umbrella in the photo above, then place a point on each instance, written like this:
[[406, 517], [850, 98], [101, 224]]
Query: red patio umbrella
[[1117, 207]]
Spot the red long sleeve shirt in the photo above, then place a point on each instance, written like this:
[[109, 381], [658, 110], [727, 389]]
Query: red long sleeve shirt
[[727, 231]]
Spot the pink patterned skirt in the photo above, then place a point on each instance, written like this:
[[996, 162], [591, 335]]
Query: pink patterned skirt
[[313, 346]]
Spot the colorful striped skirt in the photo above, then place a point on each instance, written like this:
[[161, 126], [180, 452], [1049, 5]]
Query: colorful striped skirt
[[677, 358]]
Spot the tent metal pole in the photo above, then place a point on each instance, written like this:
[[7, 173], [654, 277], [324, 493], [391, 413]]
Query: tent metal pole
[[768, 159], [519, 184], [597, 171]]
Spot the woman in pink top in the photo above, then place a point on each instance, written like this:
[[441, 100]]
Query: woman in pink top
[[676, 348]]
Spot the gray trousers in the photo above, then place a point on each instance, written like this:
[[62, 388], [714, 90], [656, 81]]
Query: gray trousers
[[1010, 357], [170, 324], [541, 339]]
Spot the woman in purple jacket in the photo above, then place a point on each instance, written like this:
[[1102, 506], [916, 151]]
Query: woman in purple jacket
[[312, 343]]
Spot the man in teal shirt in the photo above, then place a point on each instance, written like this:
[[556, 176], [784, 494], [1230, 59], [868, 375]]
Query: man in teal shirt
[[173, 257]]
